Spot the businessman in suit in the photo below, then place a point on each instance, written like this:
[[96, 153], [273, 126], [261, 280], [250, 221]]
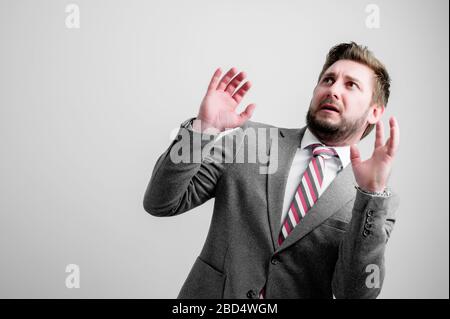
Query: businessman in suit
[[315, 221]]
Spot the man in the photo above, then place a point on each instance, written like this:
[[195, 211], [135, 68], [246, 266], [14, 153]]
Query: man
[[316, 226]]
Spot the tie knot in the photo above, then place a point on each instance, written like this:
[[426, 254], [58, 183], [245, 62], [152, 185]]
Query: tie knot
[[323, 151]]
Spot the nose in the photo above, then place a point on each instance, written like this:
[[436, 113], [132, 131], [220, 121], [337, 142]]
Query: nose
[[334, 91]]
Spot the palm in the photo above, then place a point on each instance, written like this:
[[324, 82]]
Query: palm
[[218, 108], [373, 173]]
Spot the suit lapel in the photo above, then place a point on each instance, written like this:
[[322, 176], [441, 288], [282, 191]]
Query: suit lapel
[[288, 142], [339, 192]]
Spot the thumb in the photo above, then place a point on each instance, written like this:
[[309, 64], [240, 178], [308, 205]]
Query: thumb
[[246, 114], [355, 156]]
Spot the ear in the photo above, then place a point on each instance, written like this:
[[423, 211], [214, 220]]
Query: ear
[[375, 113]]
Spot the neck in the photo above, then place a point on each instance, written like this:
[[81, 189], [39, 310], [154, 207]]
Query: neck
[[328, 140]]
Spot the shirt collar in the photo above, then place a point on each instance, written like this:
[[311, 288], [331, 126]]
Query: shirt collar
[[343, 151]]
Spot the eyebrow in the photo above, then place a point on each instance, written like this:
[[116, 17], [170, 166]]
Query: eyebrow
[[332, 74]]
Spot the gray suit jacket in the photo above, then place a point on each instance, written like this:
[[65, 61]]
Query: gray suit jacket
[[337, 249]]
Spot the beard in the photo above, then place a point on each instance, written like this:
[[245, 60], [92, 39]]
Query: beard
[[334, 133]]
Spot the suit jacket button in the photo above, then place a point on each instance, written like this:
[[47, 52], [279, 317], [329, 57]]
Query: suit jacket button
[[365, 233], [369, 213], [367, 226], [251, 294], [274, 260]]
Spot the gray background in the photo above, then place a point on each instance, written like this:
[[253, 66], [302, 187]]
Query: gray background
[[86, 112]]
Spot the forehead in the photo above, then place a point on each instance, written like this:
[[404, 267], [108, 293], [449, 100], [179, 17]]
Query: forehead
[[349, 68]]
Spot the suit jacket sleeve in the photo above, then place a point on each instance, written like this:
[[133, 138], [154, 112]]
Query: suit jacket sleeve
[[360, 270], [186, 174]]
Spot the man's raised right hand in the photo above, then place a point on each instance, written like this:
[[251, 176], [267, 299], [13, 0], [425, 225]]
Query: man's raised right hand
[[218, 108]]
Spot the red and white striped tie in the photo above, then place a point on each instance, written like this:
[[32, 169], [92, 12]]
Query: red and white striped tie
[[307, 193], [308, 190]]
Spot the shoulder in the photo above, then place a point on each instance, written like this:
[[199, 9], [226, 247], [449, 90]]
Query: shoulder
[[256, 125], [253, 124]]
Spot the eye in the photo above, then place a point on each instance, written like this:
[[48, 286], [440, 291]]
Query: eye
[[327, 80], [353, 84]]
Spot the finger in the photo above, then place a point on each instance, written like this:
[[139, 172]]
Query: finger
[[214, 80], [226, 79], [379, 134], [355, 156], [394, 139], [239, 94], [235, 82], [246, 114]]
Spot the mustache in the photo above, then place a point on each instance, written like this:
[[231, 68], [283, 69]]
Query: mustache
[[329, 100]]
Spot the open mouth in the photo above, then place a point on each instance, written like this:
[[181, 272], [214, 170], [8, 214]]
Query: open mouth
[[329, 108]]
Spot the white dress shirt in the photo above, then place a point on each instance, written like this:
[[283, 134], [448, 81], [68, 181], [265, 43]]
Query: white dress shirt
[[301, 160]]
